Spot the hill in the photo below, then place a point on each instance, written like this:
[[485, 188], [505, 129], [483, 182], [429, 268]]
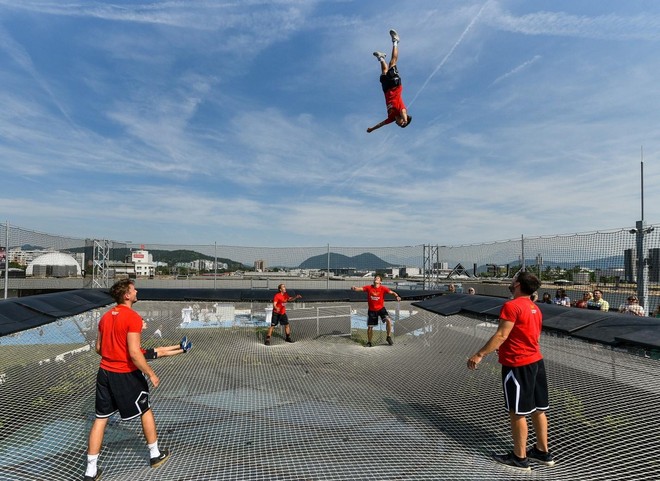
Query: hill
[[362, 262]]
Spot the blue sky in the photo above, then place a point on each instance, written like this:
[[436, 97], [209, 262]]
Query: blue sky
[[244, 123]]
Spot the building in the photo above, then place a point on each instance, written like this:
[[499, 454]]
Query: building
[[144, 263], [260, 265], [54, 264]]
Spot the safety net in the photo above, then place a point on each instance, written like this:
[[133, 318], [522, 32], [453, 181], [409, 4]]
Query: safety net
[[324, 407]]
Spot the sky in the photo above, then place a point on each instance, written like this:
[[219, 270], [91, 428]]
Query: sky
[[244, 123]]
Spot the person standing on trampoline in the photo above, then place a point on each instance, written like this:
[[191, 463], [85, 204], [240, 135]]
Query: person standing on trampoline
[[279, 313], [523, 373], [392, 88], [376, 302], [120, 383]]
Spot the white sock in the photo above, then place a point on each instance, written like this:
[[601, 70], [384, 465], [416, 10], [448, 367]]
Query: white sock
[[395, 43], [153, 450], [91, 465]]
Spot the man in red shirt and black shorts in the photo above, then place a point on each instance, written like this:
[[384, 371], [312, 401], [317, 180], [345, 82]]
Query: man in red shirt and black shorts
[[279, 313], [392, 88], [376, 302], [120, 383], [523, 373]]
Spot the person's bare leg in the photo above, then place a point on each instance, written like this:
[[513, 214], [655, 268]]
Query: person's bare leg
[[540, 423], [96, 435], [395, 55], [149, 427], [519, 433]]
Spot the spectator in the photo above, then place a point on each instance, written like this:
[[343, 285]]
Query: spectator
[[546, 298], [598, 303], [632, 307], [582, 303], [451, 288], [561, 299], [471, 291]]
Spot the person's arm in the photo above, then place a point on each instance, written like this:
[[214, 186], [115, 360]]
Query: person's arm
[[379, 125], [501, 335], [135, 351], [398, 298], [99, 337], [357, 288]]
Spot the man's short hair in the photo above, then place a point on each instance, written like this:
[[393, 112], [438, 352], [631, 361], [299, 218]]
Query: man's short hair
[[120, 288], [529, 283]]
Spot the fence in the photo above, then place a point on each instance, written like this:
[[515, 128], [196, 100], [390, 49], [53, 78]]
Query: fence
[[607, 260]]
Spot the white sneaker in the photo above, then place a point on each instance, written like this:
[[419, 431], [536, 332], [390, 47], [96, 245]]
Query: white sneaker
[[379, 55], [394, 35]]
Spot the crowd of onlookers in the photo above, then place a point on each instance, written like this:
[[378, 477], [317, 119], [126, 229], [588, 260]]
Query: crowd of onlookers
[[590, 300], [594, 300]]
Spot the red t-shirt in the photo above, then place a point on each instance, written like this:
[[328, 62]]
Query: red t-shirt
[[376, 296], [114, 327], [279, 302], [522, 345], [394, 103]]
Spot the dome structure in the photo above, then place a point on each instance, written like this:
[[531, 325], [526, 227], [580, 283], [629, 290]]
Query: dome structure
[[54, 264]]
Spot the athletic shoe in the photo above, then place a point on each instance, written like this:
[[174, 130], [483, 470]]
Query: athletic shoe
[[390, 341], [158, 460], [513, 461], [267, 341], [187, 347], [394, 35], [541, 457], [93, 478], [379, 55], [288, 339], [183, 342], [368, 344]]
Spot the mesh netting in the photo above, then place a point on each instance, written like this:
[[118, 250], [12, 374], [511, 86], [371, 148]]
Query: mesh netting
[[323, 408]]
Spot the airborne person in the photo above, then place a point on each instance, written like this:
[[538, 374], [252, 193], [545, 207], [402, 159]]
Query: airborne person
[[392, 88]]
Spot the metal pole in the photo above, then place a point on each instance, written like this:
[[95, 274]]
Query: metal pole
[[327, 280], [522, 252], [6, 258], [215, 263]]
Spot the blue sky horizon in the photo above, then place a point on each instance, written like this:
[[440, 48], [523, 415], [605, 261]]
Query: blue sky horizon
[[245, 123]]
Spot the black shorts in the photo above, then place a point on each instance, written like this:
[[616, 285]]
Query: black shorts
[[279, 319], [391, 79], [525, 388], [127, 393], [372, 316]]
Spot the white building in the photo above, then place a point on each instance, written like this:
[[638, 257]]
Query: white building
[[144, 263]]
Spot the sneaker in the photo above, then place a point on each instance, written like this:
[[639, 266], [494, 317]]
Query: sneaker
[[390, 341], [367, 344], [267, 341], [288, 339], [541, 457], [187, 346], [379, 55], [160, 459], [183, 342], [513, 461], [394, 35], [93, 478]]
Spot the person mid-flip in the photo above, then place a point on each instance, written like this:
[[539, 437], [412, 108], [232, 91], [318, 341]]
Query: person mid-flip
[[391, 83]]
